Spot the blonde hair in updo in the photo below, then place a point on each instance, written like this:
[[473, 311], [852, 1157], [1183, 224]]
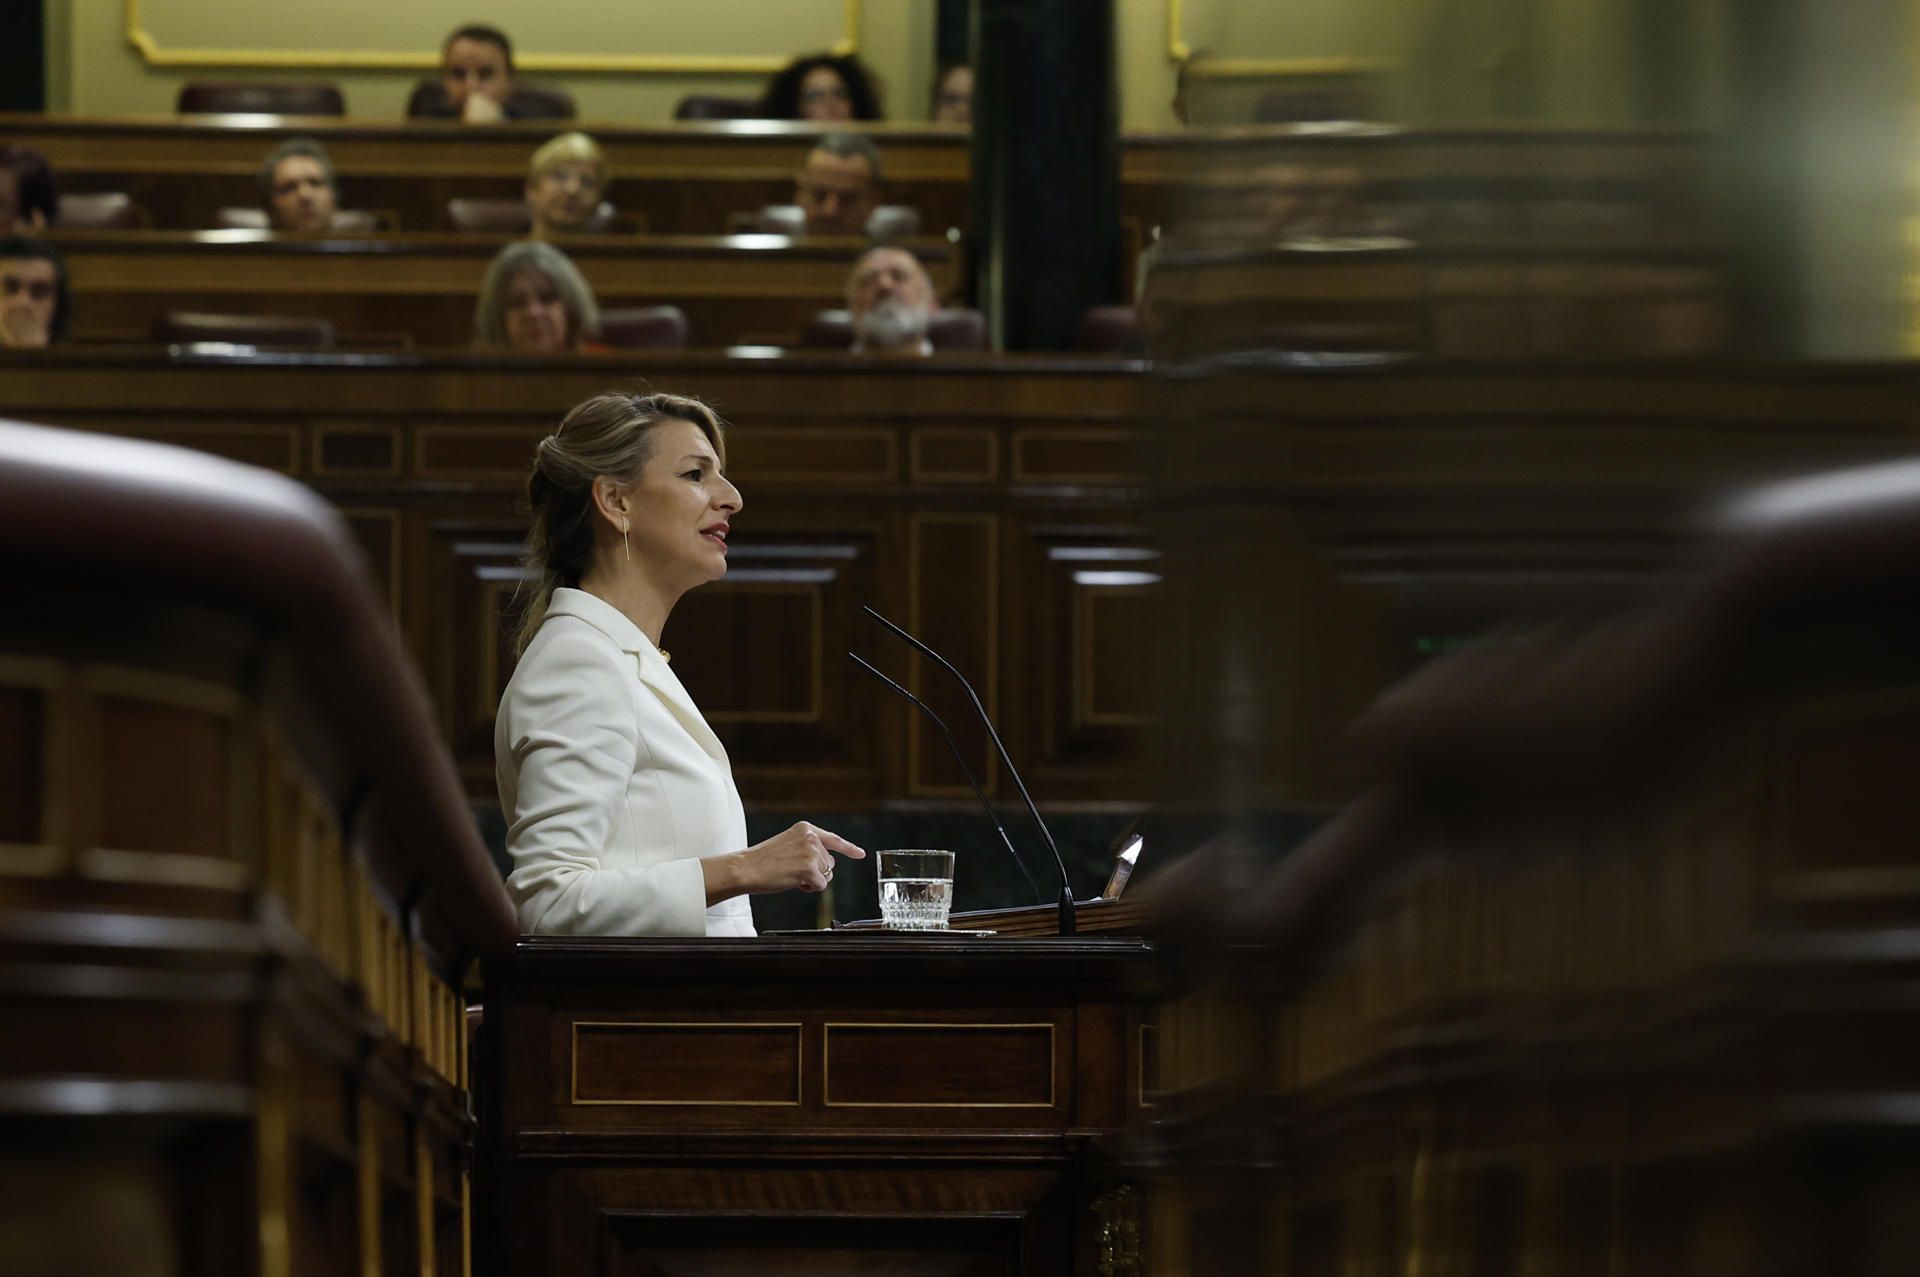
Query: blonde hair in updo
[[607, 436]]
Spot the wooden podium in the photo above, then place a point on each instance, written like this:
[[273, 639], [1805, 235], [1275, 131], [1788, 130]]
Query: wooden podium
[[831, 1103]]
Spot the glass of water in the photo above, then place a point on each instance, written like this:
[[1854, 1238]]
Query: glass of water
[[916, 889]]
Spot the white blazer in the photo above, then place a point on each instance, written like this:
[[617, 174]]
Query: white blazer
[[613, 785]]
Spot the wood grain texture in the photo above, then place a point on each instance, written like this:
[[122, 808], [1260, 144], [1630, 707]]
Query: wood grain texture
[[421, 289], [427, 457], [939, 1126]]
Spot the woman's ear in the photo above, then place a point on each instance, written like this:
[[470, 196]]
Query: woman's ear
[[610, 498]]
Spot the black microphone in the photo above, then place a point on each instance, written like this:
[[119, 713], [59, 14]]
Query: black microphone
[[960, 758], [1067, 912]]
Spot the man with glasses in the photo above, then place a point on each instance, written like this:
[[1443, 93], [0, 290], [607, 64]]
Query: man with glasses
[[33, 294]]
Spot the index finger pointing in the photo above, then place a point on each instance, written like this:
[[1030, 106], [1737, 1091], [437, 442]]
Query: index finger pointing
[[834, 842]]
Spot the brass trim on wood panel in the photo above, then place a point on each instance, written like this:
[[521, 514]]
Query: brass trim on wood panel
[[826, 1058], [1178, 50], [573, 1062], [1022, 473], [917, 472], [816, 636], [990, 692], [1141, 1048], [153, 55], [466, 1218]]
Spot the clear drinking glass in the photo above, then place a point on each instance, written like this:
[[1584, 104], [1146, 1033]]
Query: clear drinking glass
[[916, 889]]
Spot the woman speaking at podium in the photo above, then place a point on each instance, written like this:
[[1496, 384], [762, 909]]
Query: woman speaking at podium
[[622, 816]]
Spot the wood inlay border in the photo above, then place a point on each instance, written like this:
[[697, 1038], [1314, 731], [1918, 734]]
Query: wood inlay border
[[573, 1062], [826, 1058]]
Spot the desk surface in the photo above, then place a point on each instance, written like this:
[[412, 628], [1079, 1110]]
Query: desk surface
[[734, 288]]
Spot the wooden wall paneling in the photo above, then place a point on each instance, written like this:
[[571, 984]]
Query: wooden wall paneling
[[473, 569], [762, 652], [271, 447], [379, 534], [1082, 654], [954, 454], [356, 451], [954, 606], [172, 758]]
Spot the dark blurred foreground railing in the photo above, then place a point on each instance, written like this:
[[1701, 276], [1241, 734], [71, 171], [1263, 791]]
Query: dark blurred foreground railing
[[1610, 967], [239, 886]]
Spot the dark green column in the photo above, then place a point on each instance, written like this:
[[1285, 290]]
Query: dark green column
[[1045, 238], [23, 66]]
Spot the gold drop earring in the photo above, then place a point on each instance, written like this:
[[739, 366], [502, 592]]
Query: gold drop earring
[[625, 544]]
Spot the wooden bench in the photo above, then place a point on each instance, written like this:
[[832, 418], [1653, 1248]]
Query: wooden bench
[[734, 289]]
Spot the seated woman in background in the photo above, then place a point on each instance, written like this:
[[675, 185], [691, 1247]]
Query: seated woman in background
[[822, 86], [296, 185], [622, 816], [565, 183], [953, 95], [33, 294], [28, 202], [534, 301]]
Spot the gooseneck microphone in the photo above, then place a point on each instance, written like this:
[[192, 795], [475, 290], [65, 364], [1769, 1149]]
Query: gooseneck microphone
[[960, 758], [1067, 911]]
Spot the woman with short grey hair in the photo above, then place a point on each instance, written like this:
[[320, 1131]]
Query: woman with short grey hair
[[534, 301]]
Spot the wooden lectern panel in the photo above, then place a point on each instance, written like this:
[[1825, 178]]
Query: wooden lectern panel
[[822, 1104]]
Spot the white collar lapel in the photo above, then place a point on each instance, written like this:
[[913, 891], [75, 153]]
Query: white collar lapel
[[653, 668]]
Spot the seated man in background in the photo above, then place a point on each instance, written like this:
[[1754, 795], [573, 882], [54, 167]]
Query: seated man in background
[[296, 184], [476, 83], [534, 301], [28, 202], [33, 294], [839, 185], [565, 183], [953, 95], [891, 302]]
